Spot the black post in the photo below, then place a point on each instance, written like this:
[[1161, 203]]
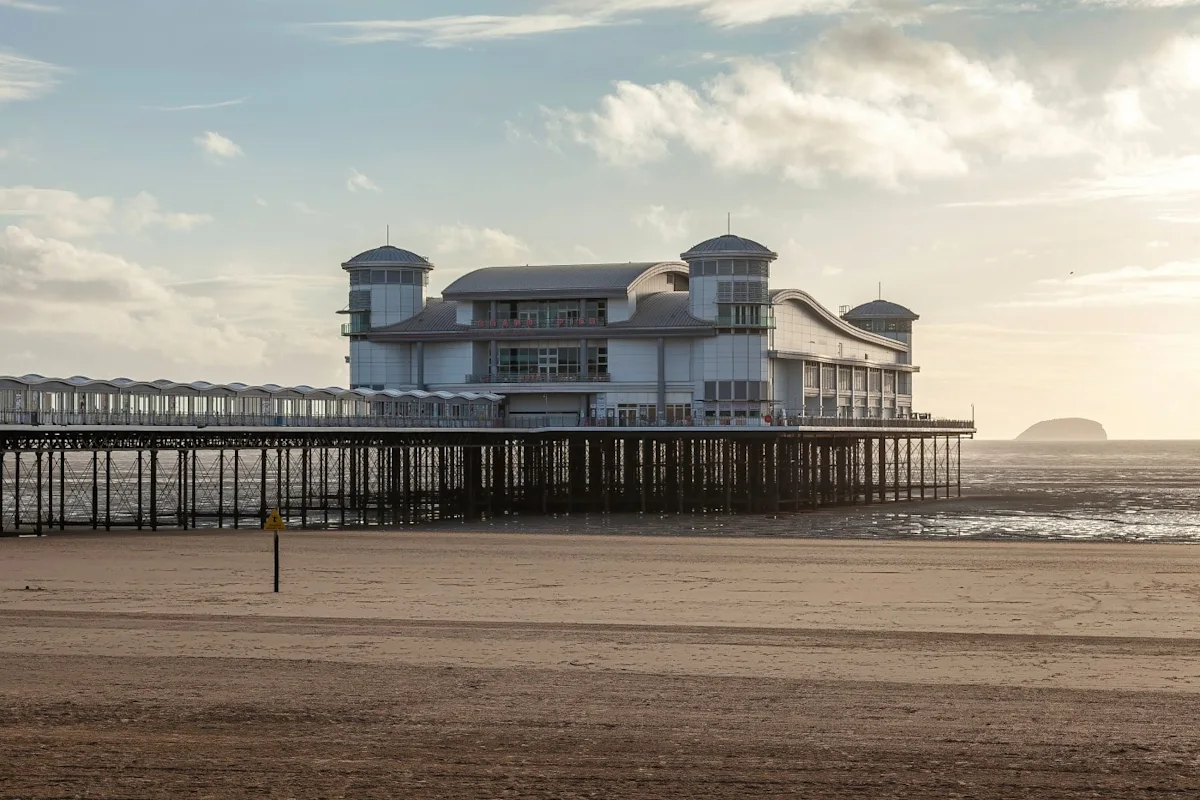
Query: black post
[[277, 562]]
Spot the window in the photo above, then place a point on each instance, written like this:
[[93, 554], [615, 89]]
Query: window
[[739, 390], [725, 390], [860, 380], [873, 381], [710, 390], [408, 277], [812, 376], [844, 378], [889, 382], [724, 267], [740, 268], [355, 278], [597, 361]]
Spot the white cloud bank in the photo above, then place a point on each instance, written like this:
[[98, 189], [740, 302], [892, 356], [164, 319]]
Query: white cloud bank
[[866, 102], [90, 311], [1174, 283], [59, 213], [218, 147], [29, 5]]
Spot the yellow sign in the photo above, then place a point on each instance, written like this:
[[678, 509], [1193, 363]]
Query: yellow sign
[[274, 521]]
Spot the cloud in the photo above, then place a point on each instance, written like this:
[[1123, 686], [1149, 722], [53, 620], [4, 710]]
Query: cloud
[[59, 213], [29, 5], [830, 271], [454, 30], [359, 182], [200, 106], [25, 78], [1150, 178], [1174, 283], [83, 309], [672, 227], [866, 102], [480, 245], [303, 208], [218, 147]]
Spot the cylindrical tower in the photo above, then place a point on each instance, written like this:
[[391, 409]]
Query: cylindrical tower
[[728, 286], [885, 318], [387, 285]]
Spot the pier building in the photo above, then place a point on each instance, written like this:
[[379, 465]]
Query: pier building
[[702, 339]]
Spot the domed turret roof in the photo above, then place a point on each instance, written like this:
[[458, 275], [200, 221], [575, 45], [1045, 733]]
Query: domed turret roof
[[388, 256], [730, 245], [880, 309]]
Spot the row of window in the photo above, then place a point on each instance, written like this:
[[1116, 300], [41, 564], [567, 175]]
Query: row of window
[[885, 325], [632, 414], [737, 390], [546, 310], [727, 266], [550, 361], [397, 277], [847, 379]]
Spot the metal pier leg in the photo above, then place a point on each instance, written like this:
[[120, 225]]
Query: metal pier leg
[[37, 525], [922, 467], [108, 490], [221, 490], [262, 489], [896, 469], [908, 463], [154, 490], [883, 473], [936, 485], [140, 491], [181, 489], [50, 489], [192, 492], [958, 458], [2, 455], [304, 488], [95, 490], [17, 490], [325, 485], [342, 483], [62, 491], [236, 460], [869, 469], [283, 482]]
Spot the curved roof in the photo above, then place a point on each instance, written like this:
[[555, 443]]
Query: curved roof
[[804, 298], [730, 245], [663, 310], [388, 256], [563, 280], [880, 309], [127, 386]]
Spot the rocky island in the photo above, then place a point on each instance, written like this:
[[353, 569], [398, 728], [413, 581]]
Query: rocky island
[[1065, 430]]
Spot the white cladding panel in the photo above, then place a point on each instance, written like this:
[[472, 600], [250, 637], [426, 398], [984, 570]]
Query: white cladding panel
[[703, 296], [679, 361], [798, 329], [447, 362], [392, 303], [731, 357], [633, 360], [387, 366], [619, 309], [789, 385]]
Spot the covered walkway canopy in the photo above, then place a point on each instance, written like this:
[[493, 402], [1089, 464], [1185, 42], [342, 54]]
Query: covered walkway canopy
[[33, 399]]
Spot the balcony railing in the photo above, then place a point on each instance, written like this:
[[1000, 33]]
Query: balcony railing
[[555, 323], [521, 377], [353, 328]]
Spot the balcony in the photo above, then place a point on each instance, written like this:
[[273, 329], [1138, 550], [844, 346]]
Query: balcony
[[521, 377], [355, 328], [541, 324]]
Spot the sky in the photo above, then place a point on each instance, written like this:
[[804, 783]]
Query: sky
[[180, 180]]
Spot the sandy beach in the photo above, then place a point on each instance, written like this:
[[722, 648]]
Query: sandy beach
[[471, 664]]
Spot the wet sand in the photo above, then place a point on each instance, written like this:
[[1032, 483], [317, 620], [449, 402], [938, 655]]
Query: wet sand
[[453, 664]]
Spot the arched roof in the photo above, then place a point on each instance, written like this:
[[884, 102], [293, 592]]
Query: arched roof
[[561, 280], [880, 309], [388, 256], [203, 388], [805, 299], [730, 245]]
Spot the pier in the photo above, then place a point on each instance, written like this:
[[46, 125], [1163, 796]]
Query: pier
[[158, 477]]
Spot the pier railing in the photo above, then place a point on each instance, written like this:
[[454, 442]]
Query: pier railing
[[518, 421]]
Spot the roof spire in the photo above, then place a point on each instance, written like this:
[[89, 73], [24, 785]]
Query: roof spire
[[729, 223], [388, 235], [881, 290]]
